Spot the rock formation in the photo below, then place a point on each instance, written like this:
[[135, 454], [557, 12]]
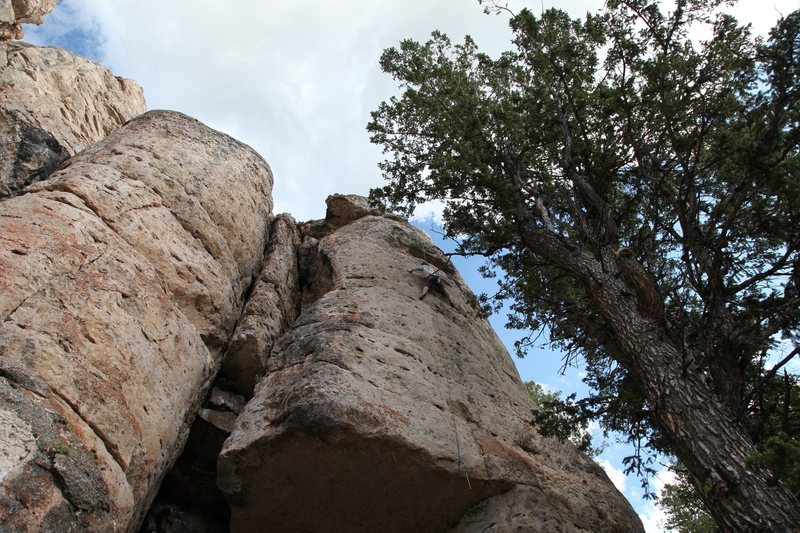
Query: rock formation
[[272, 306], [14, 13], [381, 411], [53, 104], [147, 293], [121, 279]]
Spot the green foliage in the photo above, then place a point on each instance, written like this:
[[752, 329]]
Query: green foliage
[[685, 509], [556, 418], [684, 154], [781, 456], [62, 449]]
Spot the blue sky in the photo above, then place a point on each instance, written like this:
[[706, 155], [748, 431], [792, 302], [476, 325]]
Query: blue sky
[[297, 80]]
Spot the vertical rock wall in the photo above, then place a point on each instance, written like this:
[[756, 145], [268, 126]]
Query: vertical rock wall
[[189, 499], [271, 308], [121, 279], [381, 411], [388, 404]]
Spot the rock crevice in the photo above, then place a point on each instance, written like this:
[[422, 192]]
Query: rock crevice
[[187, 501]]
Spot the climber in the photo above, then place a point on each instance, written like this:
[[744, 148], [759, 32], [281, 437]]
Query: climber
[[432, 278]]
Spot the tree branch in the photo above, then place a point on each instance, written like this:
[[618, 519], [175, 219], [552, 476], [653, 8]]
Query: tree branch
[[774, 370]]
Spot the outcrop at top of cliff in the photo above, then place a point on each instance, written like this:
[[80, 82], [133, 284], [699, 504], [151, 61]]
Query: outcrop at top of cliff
[[121, 279], [14, 13], [386, 407], [53, 104]]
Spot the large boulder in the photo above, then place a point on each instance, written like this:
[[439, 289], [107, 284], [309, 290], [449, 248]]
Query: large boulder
[[14, 13], [389, 408], [53, 104], [121, 279]]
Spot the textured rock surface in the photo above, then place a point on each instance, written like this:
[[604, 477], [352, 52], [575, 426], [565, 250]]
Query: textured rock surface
[[194, 202], [272, 306], [342, 209], [384, 412], [112, 275], [54, 104], [13, 13], [523, 508], [189, 499]]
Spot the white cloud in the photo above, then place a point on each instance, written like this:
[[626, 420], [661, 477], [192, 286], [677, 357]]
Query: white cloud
[[295, 80], [550, 388], [763, 14], [653, 518], [663, 477], [431, 211], [617, 476]]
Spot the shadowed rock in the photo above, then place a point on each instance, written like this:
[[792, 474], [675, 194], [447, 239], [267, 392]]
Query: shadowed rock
[[271, 307]]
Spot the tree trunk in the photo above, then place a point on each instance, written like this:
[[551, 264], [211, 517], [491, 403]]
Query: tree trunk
[[701, 429], [703, 433]]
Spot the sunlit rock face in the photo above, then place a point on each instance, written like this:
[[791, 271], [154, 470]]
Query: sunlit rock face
[[384, 411], [121, 280], [53, 104], [14, 13], [272, 306]]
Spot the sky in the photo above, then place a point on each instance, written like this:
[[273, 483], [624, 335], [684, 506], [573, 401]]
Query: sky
[[296, 80]]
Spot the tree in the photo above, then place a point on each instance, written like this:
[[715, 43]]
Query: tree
[[553, 420], [644, 208], [685, 510]]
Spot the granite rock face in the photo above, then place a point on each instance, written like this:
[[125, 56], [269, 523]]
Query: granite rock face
[[14, 13], [384, 411], [121, 279], [341, 209], [189, 499], [53, 104]]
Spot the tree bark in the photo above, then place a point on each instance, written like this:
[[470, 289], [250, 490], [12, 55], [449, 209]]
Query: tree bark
[[704, 435]]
